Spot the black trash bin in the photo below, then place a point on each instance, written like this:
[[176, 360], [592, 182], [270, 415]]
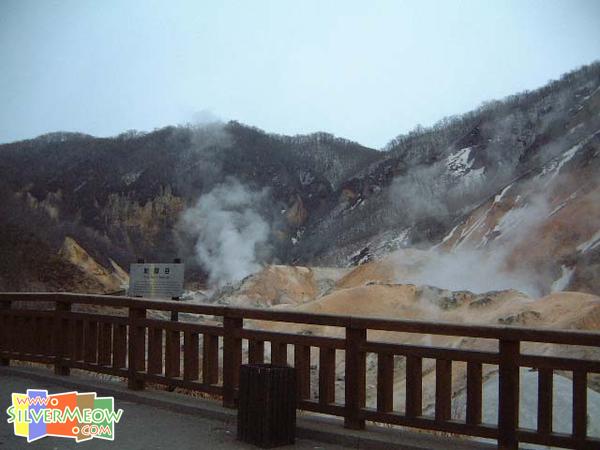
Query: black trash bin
[[267, 405]]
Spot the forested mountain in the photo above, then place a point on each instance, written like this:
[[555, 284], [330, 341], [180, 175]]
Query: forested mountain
[[323, 200]]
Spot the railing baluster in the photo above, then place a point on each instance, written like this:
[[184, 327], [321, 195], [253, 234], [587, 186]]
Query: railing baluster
[[78, 340], [385, 382], [326, 375], [210, 359], [25, 332], [27, 327], [474, 392], [16, 341], [302, 366], [49, 336], [580, 405], [61, 338], [256, 352], [28, 334], [355, 379], [508, 404], [119, 346], [190, 353], [232, 359], [414, 386], [43, 346], [544, 408], [10, 335], [104, 344], [279, 353], [443, 390], [136, 348], [90, 341], [5, 331], [155, 350], [173, 354], [22, 341]]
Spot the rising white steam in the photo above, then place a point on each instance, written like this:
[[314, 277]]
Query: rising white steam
[[483, 268], [231, 235]]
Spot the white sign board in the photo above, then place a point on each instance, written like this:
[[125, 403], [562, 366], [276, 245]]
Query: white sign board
[[156, 280]]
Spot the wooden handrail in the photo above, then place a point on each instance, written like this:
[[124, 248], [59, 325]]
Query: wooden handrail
[[508, 332], [145, 348]]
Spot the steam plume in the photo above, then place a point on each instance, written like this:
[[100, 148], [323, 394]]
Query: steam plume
[[487, 267], [231, 235]]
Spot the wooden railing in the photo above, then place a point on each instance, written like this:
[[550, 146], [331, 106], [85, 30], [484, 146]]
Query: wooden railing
[[127, 337]]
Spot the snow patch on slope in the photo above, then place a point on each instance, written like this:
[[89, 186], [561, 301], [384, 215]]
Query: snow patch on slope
[[561, 283], [561, 205], [590, 244], [458, 163], [500, 196], [473, 176], [446, 238]]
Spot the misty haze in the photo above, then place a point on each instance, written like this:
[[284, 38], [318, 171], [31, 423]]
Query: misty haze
[[417, 164]]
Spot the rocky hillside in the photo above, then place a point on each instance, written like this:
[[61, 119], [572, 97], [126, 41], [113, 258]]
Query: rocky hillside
[[516, 178]]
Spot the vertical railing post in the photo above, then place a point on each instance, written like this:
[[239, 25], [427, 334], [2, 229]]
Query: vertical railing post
[[175, 314], [62, 337], [136, 349], [508, 405], [474, 392], [5, 337], [232, 358], [580, 408], [355, 377]]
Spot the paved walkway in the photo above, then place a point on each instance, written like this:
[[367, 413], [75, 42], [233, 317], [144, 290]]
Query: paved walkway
[[154, 419], [142, 427]]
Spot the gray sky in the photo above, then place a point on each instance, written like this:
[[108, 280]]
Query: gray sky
[[365, 70]]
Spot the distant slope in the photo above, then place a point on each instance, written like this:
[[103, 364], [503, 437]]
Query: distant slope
[[29, 264], [122, 197], [371, 290], [330, 201], [431, 179]]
